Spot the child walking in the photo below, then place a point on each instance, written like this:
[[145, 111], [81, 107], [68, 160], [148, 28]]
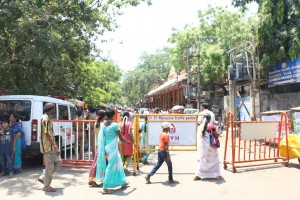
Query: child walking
[[6, 155]]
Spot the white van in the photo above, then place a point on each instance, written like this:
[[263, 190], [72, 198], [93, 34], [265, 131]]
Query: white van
[[30, 109]]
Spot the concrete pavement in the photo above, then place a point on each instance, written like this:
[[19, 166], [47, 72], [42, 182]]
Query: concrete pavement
[[264, 182]]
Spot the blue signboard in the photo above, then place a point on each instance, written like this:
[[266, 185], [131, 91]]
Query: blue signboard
[[284, 73]]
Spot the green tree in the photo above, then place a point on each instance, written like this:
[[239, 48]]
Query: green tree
[[43, 43], [100, 83], [278, 31], [151, 72], [243, 3], [218, 31]]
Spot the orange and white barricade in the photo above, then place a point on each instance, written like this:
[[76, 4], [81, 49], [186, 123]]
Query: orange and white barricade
[[253, 143], [66, 137]]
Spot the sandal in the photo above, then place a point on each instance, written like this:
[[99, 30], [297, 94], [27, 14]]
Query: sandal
[[106, 191], [40, 180], [219, 178], [197, 178], [49, 189], [127, 172], [1, 174], [124, 185], [172, 181], [10, 175], [94, 184]]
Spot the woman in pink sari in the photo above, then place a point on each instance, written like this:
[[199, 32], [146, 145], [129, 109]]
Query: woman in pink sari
[[126, 150]]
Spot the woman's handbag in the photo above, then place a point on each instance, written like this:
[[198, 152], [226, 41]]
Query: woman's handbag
[[213, 141]]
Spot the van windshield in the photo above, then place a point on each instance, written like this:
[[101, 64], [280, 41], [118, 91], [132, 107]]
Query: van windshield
[[20, 107]]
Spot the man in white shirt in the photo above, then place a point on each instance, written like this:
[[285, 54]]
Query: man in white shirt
[[204, 110]]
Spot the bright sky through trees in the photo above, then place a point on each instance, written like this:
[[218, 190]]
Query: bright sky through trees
[[146, 28]]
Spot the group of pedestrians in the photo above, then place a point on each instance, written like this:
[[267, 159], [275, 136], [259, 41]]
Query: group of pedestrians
[[12, 141], [114, 149], [107, 167], [208, 163]]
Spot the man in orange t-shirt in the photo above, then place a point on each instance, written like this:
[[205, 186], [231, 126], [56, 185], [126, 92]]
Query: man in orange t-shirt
[[163, 154]]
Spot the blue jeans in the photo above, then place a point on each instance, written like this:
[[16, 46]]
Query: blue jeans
[[162, 157], [6, 160]]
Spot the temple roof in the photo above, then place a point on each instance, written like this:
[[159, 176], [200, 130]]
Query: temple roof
[[168, 83]]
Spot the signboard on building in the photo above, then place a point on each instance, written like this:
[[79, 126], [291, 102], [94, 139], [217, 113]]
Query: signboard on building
[[284, 73]]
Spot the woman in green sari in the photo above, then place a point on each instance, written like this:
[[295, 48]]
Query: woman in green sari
[[111, 173]]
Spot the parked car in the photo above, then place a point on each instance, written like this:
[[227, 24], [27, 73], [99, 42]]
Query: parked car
[[143, 111], [191, 111], [30, 109], [177, 109]]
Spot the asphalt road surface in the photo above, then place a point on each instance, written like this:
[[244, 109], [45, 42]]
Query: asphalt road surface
[[264, 182]]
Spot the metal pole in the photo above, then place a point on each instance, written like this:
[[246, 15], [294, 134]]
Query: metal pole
[[232, 93], [188, 77], [198, 77]]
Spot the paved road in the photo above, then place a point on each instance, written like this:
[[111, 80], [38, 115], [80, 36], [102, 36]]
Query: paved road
[[269, 182]]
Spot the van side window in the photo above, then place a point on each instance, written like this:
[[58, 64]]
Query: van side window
[[20, 107], [73, 112], [55, 115], [63, 112]]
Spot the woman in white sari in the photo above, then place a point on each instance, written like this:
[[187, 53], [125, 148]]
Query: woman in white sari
[[208, 166]]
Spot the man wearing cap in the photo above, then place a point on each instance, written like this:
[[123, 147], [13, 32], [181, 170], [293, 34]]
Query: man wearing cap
[[48, 147], [163, 154]]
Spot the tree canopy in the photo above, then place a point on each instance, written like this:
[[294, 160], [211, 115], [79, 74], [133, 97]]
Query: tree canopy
[[278, 31], [151, 72], [45, 44], [218, 31]]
